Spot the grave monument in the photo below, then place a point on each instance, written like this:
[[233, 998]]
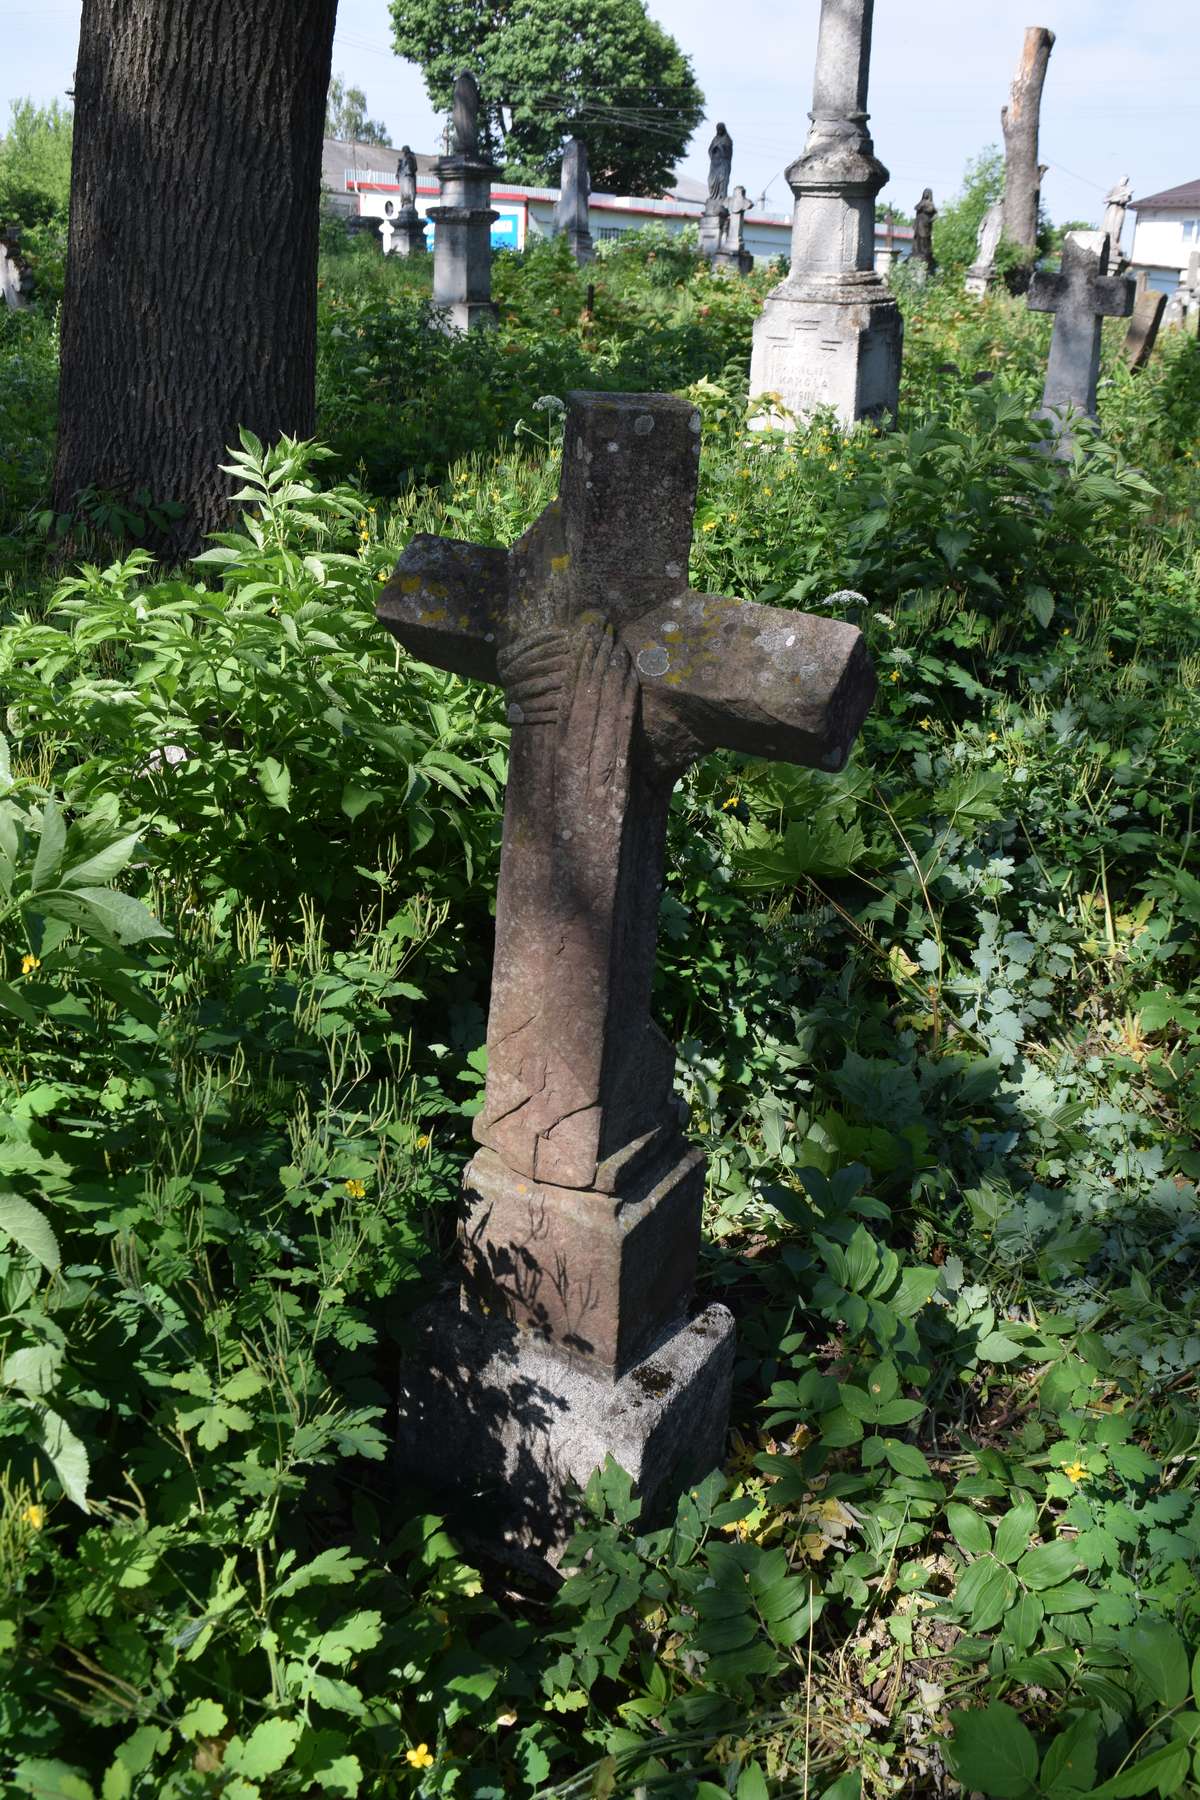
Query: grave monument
[[921, 263], [571, 212], [571, 1337], [1148, 309], [462, 245], [982, 273], [731, 253], [1081, 297], [16, 277], [386, 232], [408, 224], [1115, 208], [830, 334], [720, 167]]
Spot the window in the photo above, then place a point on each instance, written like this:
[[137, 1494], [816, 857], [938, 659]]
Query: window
[[607, 233], [1191, 230]]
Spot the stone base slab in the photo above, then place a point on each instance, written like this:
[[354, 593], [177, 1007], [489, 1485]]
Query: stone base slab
[[829, 353], [508, 1425], [601, 1275]]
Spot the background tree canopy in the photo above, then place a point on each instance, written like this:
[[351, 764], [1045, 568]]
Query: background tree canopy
[[346, 116], [35, 163], [599, 67]]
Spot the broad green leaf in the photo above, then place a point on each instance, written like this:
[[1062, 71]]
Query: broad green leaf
[[355, 800], [993, 1346], [993, 1751], [43, 1779], [1069, 1765], [1162, 1772], [103, 913], [1157, 1653], [32, 1370], [752, 1784], [103, 865], [203, 1718], [1013, 1531], [275, 780], [906, 1459], [846, 1787], [1048, 1564], [29, 1228], [68, 1458], [343, 1776], [330, 1568], [985, 1592], [968, 1528], [50, 848], [360, 1632], [265, 1751]]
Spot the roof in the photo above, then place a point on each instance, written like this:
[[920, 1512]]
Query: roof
[[1184, 196]]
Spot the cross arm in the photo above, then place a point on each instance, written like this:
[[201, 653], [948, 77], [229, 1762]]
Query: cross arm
[[791, 686], [1046, 292], [444, 601], [1113, 296]]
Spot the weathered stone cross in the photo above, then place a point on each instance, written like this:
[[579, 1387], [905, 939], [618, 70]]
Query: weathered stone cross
[[585, 1197], [1081, 297]]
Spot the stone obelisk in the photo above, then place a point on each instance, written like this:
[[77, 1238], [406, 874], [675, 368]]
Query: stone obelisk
[[831, 334]]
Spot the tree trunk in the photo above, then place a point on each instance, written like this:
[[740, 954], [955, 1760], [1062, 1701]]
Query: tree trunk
[[1022, 174], [190, 300]]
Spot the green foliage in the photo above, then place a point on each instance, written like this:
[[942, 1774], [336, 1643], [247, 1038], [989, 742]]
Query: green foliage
[[939, 1029], [35, 163], [346, 116], [956, 228], [550, 67]]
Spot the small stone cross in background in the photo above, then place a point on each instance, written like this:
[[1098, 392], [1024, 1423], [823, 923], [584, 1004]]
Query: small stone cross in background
[[582, 1229], [1080, 297]]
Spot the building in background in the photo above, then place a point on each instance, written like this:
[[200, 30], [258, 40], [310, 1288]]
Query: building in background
[[360, 181], [1165, 235]]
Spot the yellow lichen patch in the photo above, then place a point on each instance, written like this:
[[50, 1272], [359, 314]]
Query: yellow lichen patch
[[559, 563], [410, 584]]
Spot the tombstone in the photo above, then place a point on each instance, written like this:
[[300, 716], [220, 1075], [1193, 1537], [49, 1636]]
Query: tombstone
[[462, 245], [387, 233], [408, 224], [571, 212], [720, 167], [571, 1336], [1080, 297], [732, 255], [17, 282], [1115, 207], [921, 264], [1184, 308], [982, 274], [830, 334], [1148, 309]]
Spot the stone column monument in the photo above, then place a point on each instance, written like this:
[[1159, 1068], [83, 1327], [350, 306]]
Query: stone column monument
[[408, 224], [732, 254], [462, 245], [571, 212], [572, 1336], [1080, 297], [831, 333]]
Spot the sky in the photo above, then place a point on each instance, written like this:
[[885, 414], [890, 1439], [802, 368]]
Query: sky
[[1122, 95]]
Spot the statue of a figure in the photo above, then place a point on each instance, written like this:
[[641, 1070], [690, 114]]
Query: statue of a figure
[[1114, 213], [406, 175], [922, 242], [720, 164], [466, 115]]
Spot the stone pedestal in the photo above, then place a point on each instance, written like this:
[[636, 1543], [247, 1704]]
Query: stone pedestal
[[831, 334], [571, 218], [462, 245], [710, 231], [734, 262], [409, 228], [509, 1423]]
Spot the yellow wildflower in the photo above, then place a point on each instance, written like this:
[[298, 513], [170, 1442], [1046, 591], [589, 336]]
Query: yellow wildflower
[[423, 1141], [29, 964], [1074, 1471], [382, 575], [895, 675], [34, 1516], [993, 737], [733, 800], [710, 524], [355, 1189], [924, 724], [420, 1757]]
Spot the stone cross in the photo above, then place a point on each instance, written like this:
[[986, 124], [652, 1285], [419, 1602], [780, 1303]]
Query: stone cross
[[584, 1198], [387, 232], [1080, 297]]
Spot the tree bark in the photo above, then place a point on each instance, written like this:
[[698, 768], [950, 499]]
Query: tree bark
[[1020, 119], [190, 299]]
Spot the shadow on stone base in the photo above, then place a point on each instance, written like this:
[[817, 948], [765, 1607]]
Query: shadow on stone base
[[507, 1425]]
